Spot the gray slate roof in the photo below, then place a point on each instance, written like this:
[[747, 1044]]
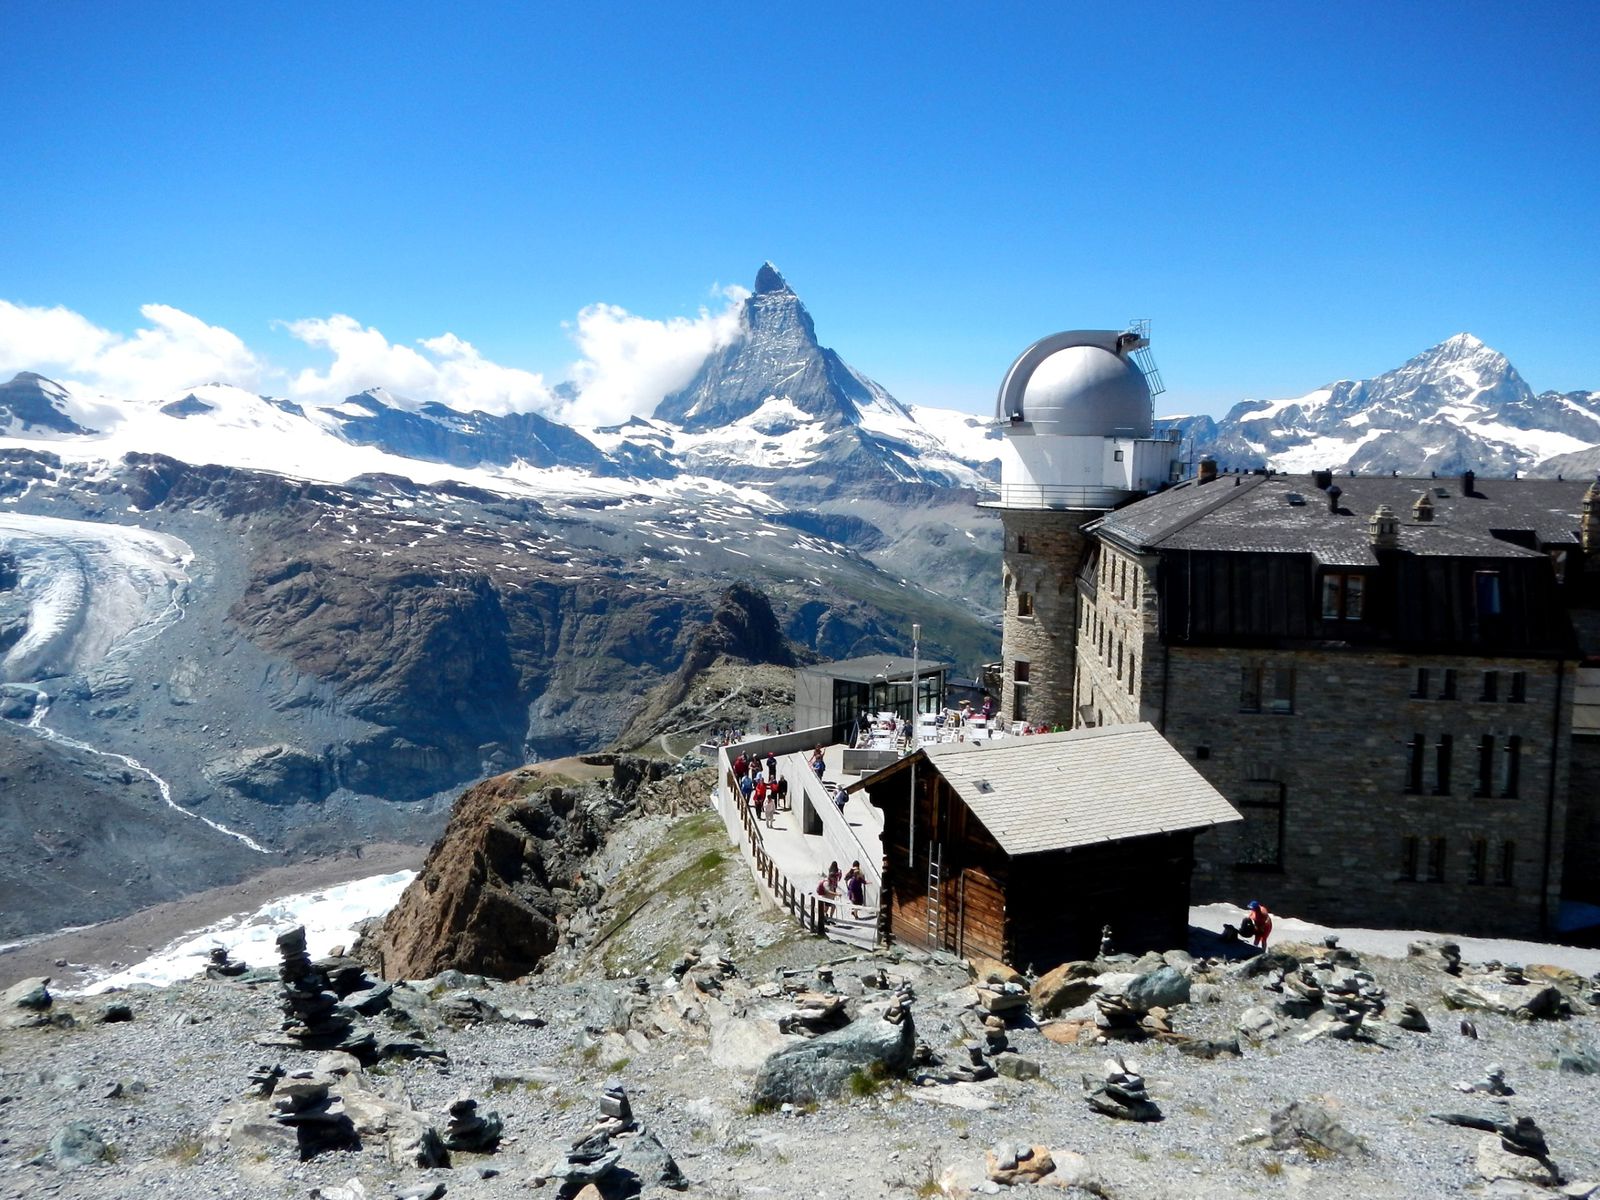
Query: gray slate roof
[[1254, 513], [1061, 790]]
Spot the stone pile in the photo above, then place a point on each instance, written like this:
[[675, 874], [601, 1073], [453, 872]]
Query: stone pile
[[313, 1017], [1444, 955], [222, 966], [309, 1112], [616, 1156], [1122, 1094], [814, 1013], [1493, 1083], [304, 1104], [468, 1131], [1514, 1150], [1010, 1164]]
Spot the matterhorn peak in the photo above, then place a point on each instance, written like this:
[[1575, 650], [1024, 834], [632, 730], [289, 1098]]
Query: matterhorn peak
[[769, 279]]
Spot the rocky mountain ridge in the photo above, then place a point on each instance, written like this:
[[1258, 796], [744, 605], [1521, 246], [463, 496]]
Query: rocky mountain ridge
[[1458, 406], [330, 663]]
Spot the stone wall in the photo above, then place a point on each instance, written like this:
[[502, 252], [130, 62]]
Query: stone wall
[[1119, 659], [1041, 573], [1338, 759]]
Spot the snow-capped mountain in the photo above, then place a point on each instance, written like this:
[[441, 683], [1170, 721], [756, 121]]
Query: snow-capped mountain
[[774, 410], [1458, 406], [775, 405]]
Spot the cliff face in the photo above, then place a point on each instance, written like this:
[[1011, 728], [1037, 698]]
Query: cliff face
[[494, 888]]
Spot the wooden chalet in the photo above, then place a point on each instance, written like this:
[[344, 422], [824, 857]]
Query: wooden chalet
[[1022, 849]]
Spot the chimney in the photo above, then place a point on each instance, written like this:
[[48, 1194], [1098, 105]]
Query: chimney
[[1383, 528], [1208, 470], [1321, 480], [1334, 492], [1469, 480], [1422, 510], [1589, 526]]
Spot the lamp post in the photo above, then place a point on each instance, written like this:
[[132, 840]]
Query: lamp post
[[916, 745]]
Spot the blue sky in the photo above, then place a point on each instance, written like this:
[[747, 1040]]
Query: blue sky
[[1291, 193]]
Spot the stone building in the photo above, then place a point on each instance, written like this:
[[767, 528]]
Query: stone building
[[1379, 673]]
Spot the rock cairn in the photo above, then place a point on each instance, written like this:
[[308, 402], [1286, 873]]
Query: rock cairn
[[470, 1132], [222, 966], [303, 1103], [1122, 1094], [616, 1156], [313, 1017], [1516, 1150]]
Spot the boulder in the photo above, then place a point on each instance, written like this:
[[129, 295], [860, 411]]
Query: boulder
[[1303, 1121], [1580, 1061], [76, 1145], [1258, 1023], [820, 1069], [1524, 1001], [1067, 986], [31, 994], [275, 774], [993, 971], [1496, 1161], [1162, 988]]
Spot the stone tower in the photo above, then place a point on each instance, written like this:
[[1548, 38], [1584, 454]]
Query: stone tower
[[1076, 418]]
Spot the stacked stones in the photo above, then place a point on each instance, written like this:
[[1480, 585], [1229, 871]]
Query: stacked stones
[[616, 1155], [313, 1019], [1445, 955], [222, 966], [814, 1013], [468, 1131], [1493, 1083], [302, 1103], [1123, 1095], [1515, 1150]]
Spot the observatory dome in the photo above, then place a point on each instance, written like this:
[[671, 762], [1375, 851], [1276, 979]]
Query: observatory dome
[[1077, 384]]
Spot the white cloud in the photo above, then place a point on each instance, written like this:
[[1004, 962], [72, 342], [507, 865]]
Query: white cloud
[[629, 362], [175, 350]]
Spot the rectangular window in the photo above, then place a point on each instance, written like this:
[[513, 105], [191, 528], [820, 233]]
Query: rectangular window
[[1419, 684], [1558, 560], [1022, 544], [1508, 863], [1511, 767], [1486, 587], [1261, 837], [1486, 765], [1491, 685], [1283, 690], [1019, 670], [1409, 848], [1441, 765], [1019, 702], [1341, 596], [1415, 749], [1024, 604], [1249, 689], [1447, 684], [1436, 850], [1480, 861], [1119, 660], [1519, 687], [1116, 456]]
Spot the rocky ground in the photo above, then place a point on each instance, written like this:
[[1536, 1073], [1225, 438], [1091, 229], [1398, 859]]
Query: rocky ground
[[1303, 1074]]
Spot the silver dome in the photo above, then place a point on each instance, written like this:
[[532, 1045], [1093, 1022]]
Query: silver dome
[[1080, 383]]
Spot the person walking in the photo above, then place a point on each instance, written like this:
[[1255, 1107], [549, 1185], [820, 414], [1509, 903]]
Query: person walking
[[855, 886]]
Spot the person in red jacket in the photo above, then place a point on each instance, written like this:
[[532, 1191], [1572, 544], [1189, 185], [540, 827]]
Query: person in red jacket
[[1261, 923]]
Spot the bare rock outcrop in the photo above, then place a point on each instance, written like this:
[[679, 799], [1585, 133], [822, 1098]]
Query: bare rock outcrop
[[493, 890]]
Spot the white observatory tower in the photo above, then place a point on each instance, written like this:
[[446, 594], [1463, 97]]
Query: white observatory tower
[[1075, 411]]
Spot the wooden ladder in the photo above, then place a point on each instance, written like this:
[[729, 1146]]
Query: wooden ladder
[[935, 894]]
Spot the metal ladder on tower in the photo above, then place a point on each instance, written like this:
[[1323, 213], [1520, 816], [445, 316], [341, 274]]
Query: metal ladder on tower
[[935, 895]]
